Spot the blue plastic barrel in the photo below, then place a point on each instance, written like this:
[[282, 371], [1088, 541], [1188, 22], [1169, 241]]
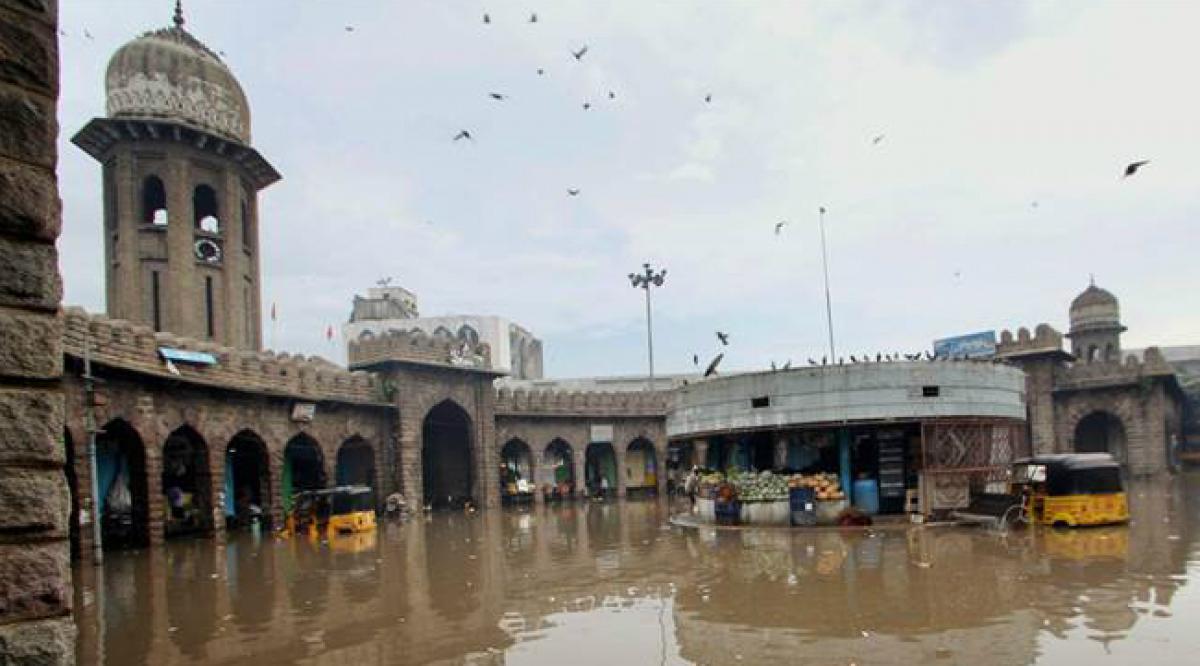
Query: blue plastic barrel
[[866, 496]]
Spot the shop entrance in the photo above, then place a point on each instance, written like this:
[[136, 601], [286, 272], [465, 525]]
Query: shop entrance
[[559, 462], [600, 470], [446, 460], [247, 481], [516, 470], [303, 468], [641, 467], [186, 484], [123, 499]]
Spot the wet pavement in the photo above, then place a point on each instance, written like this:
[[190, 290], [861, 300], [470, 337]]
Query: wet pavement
[[613, 584]]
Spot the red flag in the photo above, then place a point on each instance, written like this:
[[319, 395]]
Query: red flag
[[272, 312], [329, 333]]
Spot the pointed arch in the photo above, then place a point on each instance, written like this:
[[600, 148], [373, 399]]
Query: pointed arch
[[247, 480], [303, 468], [123, 500], [356, 463], [558, 459], [186, 483], [447, 463]]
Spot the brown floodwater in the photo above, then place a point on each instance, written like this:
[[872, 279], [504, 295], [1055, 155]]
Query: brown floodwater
[[613, 584]]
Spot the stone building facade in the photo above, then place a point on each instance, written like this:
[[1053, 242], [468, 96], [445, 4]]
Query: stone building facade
[[1093, 399], [35, 574]]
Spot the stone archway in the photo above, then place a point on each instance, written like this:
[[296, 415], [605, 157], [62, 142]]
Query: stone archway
[[558, 461], [1101, 432], [600, 470], [355, 463], [516, 466], [122, 504], [641, 467], [303, 468], [186, 484], [247, 480], [447, 464]]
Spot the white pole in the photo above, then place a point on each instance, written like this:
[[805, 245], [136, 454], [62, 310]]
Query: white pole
[[828, 303]]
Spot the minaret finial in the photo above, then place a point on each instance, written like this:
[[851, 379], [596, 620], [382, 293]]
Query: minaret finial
[[179, 14], [1091, 279]]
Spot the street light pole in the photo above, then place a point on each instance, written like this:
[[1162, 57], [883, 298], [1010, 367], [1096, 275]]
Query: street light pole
[[644, 280], [828, 303]]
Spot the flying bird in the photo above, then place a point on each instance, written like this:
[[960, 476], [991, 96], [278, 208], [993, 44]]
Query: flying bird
[[487, 19], [1133, 167], [723, 337], [497, 95], [708, 98], [349, 28], [779, 226], [695, 359], [533, 18], [587, 105], [878, 138], [463, 134], [612, 95], [573, 191], [541, 71], [712, 367], [87, 34], [580, 53]]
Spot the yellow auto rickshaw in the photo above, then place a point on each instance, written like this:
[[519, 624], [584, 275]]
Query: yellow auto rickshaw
[[1071, 489], [332, 511]]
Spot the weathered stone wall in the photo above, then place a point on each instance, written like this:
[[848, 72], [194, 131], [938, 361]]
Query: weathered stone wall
[[156, 407], [35, 576], [125, 344]]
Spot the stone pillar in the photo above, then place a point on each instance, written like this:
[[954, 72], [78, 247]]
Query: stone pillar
[[181, 296], [232, 323], [622, 472], [126, 288], [700, 452], [781, 451], [35, 573], [216, 471], [274, 506], [580, 461], [487, 452], [661, 452]]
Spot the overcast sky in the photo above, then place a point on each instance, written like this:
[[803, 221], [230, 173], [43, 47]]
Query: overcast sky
[[993, 194]]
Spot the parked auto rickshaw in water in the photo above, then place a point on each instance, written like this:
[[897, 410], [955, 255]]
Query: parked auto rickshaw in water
[[1071, 489], [332, 511]]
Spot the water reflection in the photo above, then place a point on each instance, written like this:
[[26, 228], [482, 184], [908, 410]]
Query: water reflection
[[592, 583]]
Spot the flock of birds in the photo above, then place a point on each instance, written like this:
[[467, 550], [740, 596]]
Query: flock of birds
[[879, 357]]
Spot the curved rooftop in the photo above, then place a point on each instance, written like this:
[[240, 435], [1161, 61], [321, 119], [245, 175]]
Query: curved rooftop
[[1095, 308], [168, 74], [829, 395]]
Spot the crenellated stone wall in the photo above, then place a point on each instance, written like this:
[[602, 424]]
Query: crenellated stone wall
[[134, 347], [583, 403], [36, 626], [418, 347]]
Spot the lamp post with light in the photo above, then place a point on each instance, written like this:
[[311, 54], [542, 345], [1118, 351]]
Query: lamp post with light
[[644, 280]]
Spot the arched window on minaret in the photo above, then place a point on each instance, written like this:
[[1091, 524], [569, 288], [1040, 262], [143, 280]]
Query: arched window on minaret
[[154, 201], [204, 206]]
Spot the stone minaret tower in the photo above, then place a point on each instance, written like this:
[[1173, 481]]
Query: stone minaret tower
[[1096, 326], [180, 183]]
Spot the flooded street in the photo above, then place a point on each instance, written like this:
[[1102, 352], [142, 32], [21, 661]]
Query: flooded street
[[612, 583]]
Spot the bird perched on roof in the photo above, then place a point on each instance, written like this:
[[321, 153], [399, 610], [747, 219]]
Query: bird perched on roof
[[723, 337], [712, 367], [788, 365], [811, 362], [463, 134], [823, 360], [773, 368], [1133, 167], [779, 226], [852, 359], [841, 360], [879, 357], [580, 53]]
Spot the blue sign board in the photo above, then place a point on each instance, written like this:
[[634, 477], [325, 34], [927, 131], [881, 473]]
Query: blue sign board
[[187, 356], [974, 345]]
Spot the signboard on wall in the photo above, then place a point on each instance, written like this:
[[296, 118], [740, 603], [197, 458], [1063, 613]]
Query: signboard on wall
[[303, 412], [972, 345], [602, 433]]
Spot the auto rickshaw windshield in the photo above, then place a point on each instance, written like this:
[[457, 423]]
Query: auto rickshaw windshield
[[1029, 474], [344, 503]]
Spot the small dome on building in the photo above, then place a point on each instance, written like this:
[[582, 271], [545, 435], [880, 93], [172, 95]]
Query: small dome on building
[[168, 74], [1095, 308]]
